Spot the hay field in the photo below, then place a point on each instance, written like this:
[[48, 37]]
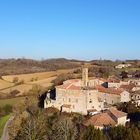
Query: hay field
[[44, 82], [42, 79], [24, 88], [5, 84], [21, 88], [34, 76]]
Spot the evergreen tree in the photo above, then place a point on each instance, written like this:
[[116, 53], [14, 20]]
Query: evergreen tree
[[93, 134]]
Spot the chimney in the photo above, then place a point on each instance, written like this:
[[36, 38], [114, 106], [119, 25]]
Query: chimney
[[85, 77]]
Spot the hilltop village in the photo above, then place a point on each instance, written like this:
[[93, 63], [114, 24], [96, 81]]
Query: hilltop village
[[96, 97]]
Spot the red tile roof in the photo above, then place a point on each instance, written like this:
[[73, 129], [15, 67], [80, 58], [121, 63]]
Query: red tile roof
[[100, 120], [109, 90], [117, 113], [128, 87], [69, 86], [73, 87]]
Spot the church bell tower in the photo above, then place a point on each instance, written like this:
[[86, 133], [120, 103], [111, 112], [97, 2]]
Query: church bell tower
[[85, 77]]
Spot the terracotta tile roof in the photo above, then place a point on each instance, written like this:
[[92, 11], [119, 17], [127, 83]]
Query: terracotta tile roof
[[100, 120], [109, 80], [73, 87], [109, 90], [69, 86], [128, 87], [64, 86], [117, 113]]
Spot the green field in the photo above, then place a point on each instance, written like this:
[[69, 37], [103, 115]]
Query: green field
[[3, 121], [12, 101]]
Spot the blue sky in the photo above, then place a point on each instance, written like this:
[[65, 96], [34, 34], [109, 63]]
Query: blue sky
[[79, 29]]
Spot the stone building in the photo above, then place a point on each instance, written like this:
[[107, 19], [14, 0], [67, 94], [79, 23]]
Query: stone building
[[112, 95], [85, 95], [111, 117]]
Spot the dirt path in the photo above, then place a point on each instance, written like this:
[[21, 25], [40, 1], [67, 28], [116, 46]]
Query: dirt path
[[5, 135]]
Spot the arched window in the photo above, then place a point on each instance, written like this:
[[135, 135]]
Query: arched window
[[90, 101]]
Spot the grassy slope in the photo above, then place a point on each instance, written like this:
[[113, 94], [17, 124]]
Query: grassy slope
[[3, 121], [12, 101]]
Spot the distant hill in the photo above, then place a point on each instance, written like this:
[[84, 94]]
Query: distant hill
[[24, 66], [19, 66]]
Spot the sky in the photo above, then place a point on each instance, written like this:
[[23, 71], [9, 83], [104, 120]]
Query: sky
[[73, 29]]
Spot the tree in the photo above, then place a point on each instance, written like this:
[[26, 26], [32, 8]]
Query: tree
[[34, 128], [93, 134], [64, 129], [124, 133], [7, 108], [124, 75], [16, 125]]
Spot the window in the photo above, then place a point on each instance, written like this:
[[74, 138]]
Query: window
[[90, 101], [69, 100]]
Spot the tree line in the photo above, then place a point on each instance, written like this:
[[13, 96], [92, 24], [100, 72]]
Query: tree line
[[34, 123]]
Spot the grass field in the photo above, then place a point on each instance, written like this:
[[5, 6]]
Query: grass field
[[12, 101], [3, 121]]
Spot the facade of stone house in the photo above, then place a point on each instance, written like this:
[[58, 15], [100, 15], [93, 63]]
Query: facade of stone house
[[112, 96], [79, 100]]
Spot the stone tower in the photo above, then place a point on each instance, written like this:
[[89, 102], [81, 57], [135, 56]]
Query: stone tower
[[85, 77]]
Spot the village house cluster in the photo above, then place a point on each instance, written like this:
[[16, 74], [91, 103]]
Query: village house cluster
[[121, 66], [94, 95]]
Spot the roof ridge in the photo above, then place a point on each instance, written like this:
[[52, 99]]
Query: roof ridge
[[69, 86]]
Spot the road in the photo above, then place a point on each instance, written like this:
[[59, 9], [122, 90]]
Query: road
[[5, 135]]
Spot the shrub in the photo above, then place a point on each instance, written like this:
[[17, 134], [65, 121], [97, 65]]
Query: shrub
[[7, 109], [15, 79], [13, 93]]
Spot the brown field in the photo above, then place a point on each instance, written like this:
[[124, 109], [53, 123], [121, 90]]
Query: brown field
[[21, 88], [5, 84], [43, 79], [44, 82], [37, 76]]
